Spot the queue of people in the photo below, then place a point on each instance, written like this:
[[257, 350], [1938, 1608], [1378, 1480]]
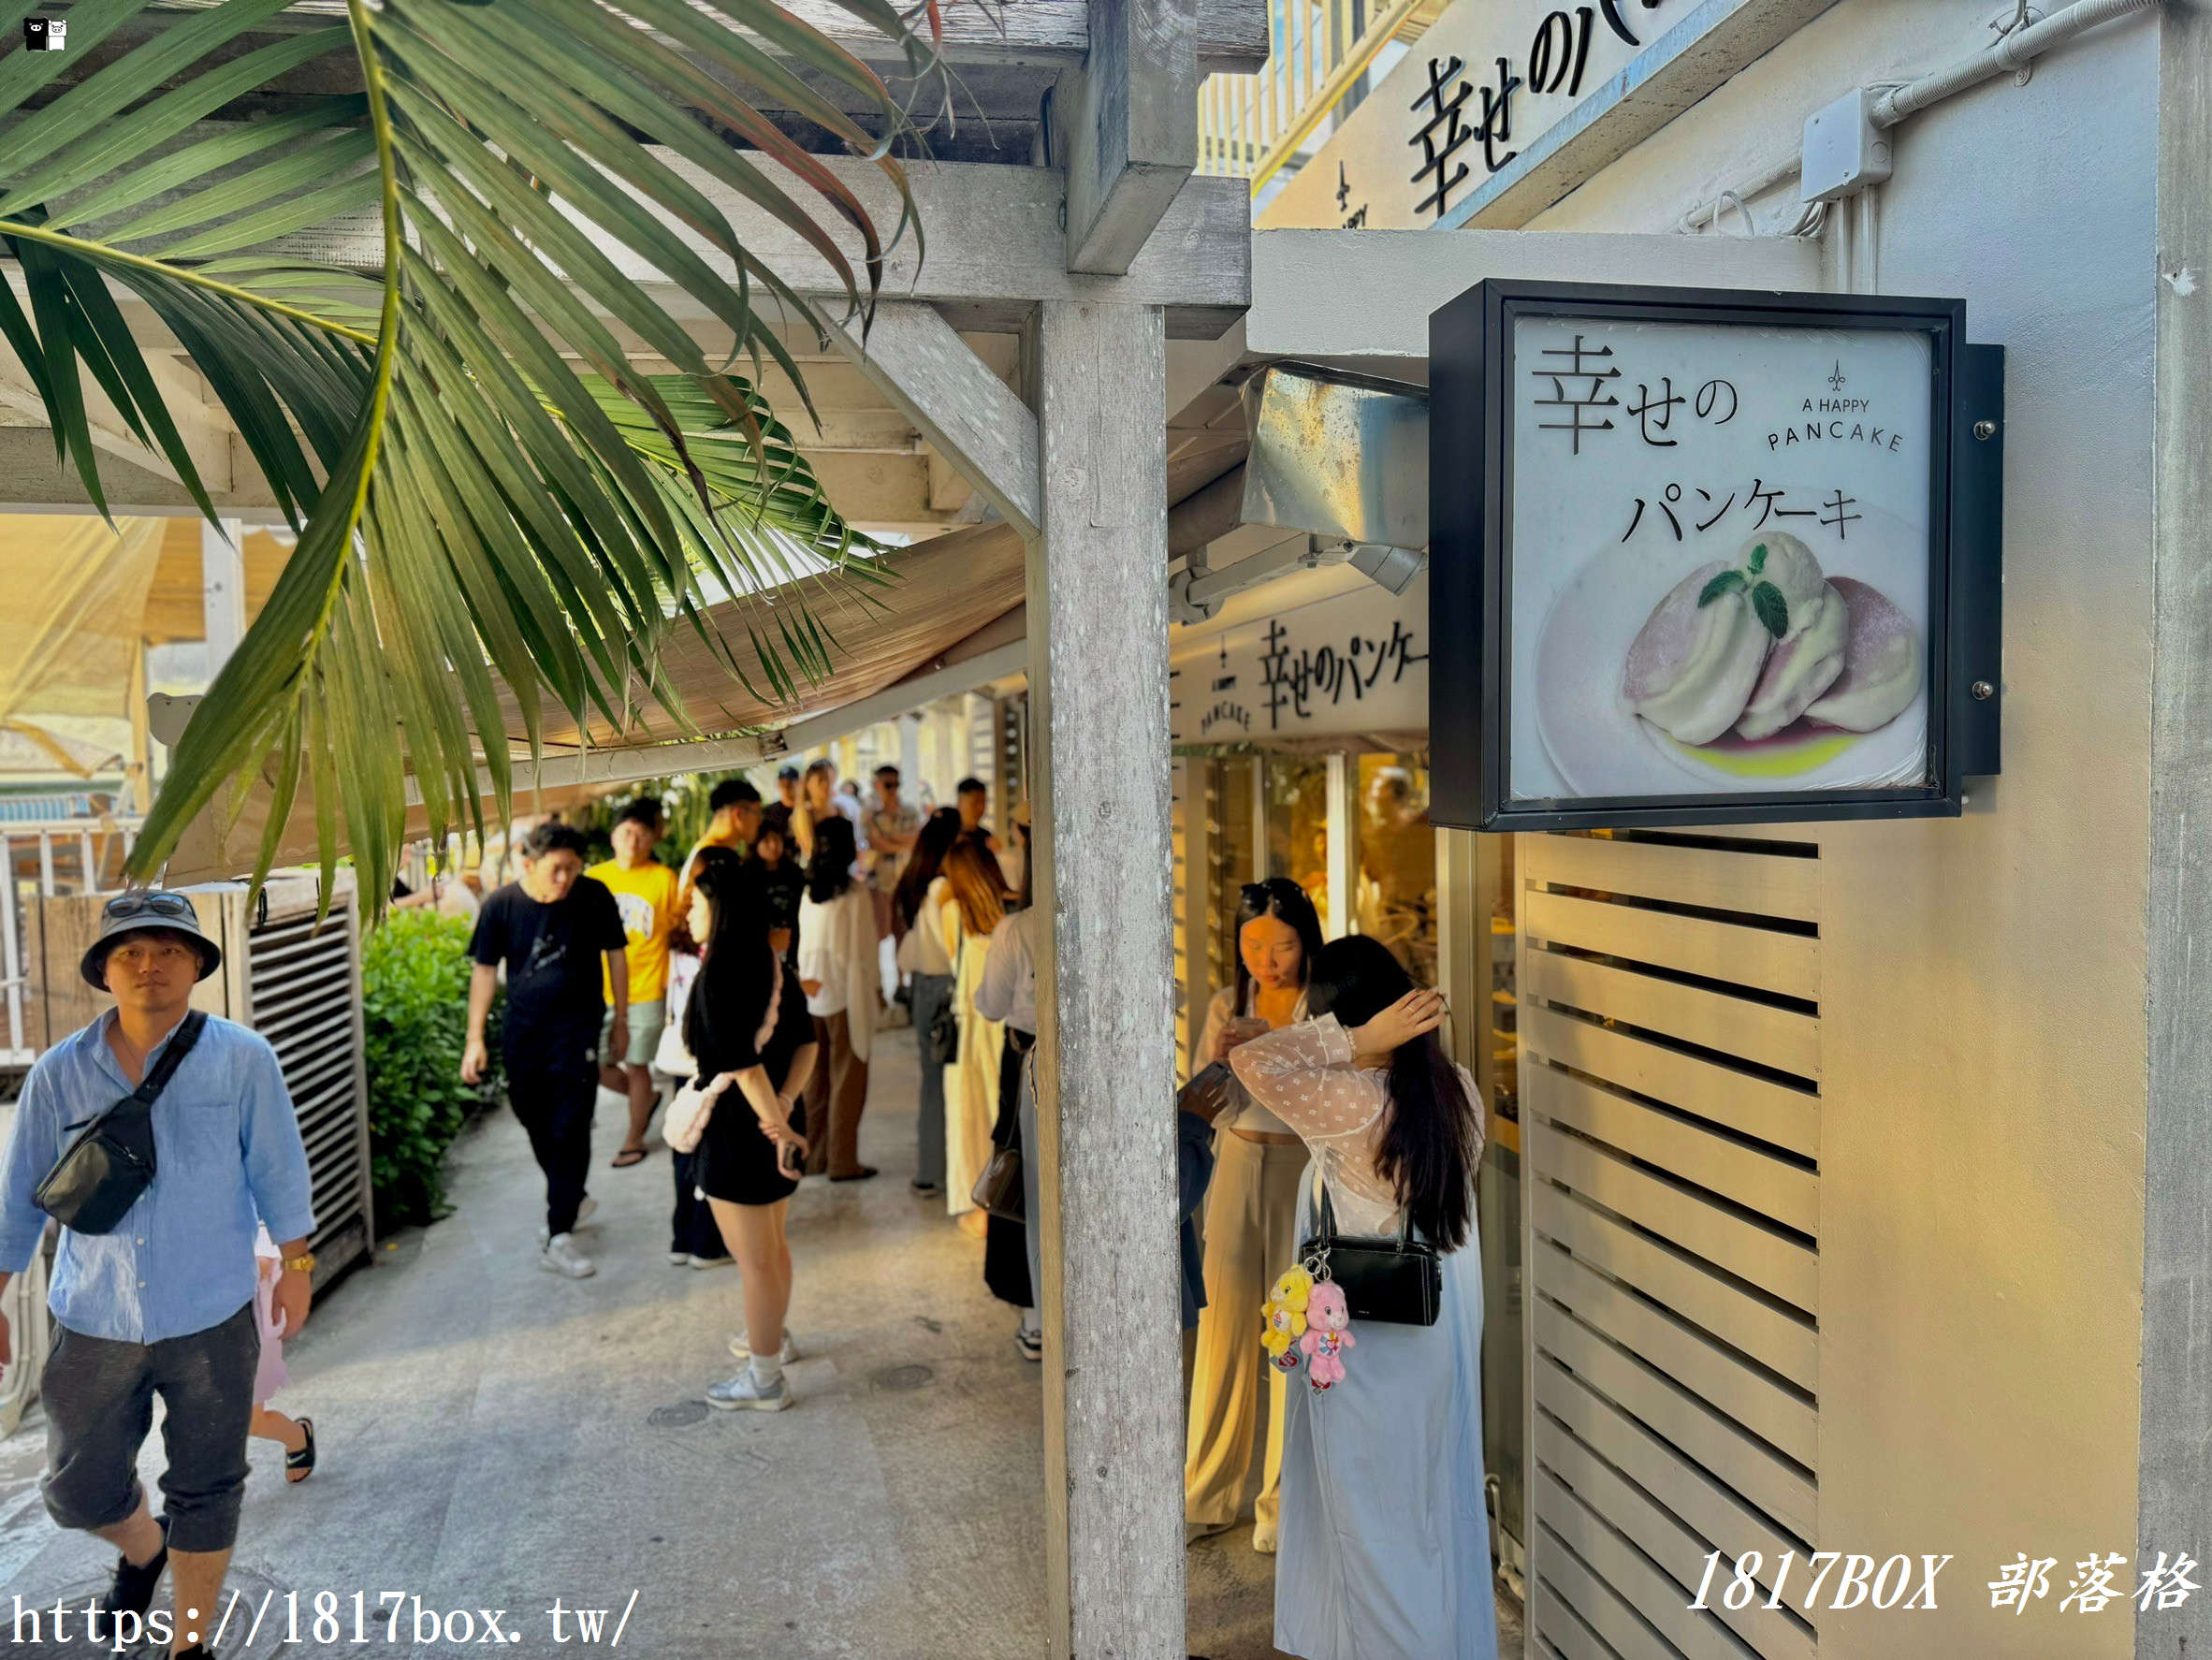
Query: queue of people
[[1323, 1108], [748, 980]]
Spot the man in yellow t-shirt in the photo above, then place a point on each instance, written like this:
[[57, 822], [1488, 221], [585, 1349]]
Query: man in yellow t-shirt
[[645, 894]]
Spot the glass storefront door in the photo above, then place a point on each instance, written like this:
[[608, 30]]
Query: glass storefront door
[[1396, 866]]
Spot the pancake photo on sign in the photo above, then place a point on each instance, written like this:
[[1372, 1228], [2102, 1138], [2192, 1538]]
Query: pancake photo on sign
[[1757, 672]]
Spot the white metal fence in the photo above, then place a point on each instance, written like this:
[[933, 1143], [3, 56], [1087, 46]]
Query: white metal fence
[[47, 858]]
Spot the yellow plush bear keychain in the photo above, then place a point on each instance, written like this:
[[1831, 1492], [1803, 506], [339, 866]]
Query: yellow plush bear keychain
[[1284, 1316]]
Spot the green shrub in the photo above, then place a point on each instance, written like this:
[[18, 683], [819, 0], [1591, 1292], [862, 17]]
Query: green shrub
[[415, 981]]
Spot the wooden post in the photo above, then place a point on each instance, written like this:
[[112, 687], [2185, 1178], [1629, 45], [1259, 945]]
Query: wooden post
[[223, 588], [2175, 1463], [1131, 129], [1106, 1123]]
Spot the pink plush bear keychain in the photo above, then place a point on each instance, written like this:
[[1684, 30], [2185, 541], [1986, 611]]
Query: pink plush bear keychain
[[1329, 1333]]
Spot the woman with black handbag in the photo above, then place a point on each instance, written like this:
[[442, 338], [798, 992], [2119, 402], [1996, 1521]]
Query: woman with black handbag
[[1385, 1543], [929, 967], [1007, 994]]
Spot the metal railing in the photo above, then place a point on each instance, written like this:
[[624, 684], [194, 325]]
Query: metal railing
[[46, 859], [1250, 125]]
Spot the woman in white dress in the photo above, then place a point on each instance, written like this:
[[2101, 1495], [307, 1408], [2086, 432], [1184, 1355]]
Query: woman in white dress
[[974, 901], [1385, 1539]]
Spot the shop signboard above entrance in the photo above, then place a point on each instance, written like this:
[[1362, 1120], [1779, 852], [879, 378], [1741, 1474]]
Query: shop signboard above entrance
[[1482, 85], [1716, 557], [1356, 664]]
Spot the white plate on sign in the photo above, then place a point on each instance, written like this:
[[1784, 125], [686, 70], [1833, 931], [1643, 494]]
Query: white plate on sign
[[1599, 749]]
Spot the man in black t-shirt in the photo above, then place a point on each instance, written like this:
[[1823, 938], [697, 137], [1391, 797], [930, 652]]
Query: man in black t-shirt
[[778, 811], [552, 931]]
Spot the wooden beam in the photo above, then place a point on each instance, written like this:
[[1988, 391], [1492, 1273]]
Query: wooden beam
[[205, 428], [1232, 34], [902, 696], [994, 241], [948, 488], [966, 413], [1130, 130], [877, 491], [1098, 715]]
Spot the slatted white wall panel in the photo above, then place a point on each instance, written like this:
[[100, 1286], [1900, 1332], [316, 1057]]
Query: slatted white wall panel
[[304, 996], [1670, 1108]]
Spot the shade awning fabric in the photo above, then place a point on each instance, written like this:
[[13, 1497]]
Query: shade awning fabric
[[943, 591], [946, 592], [69, 638]]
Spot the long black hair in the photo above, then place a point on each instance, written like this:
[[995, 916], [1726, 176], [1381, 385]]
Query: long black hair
[[829, 873], [737, 967], [1280, 897], [1427, 1141], [926, 863]]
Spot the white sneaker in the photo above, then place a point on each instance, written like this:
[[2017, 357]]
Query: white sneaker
[[745, 1392], [712, 1261], [743, 1350], [1263, 1539], [559, 1255], [679, 1259], [583, 1216]]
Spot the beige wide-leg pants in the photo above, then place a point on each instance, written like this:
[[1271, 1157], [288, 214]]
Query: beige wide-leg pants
[[1251, 1237]]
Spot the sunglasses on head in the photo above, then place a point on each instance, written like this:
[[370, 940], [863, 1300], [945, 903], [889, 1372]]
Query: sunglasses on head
[[155, 903]]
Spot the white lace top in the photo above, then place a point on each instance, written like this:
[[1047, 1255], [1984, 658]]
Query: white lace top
[[1305, 1075]]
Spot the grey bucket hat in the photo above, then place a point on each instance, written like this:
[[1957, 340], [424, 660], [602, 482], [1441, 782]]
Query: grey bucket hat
[[144, 911]]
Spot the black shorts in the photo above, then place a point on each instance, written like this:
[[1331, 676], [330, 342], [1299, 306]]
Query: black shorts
[[736, 1161], [99, 1395]]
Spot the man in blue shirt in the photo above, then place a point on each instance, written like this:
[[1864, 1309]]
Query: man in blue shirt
[[163, 1304]]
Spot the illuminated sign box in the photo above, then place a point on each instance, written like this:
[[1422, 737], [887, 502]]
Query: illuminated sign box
[[1708, 556]]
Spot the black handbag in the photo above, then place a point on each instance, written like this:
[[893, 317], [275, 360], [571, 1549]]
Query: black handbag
[[998, 1190], [1397, 1281], [944, 1035], [101, 1173]]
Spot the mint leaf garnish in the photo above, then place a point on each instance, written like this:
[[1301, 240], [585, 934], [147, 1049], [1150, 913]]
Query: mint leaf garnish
[[1726, 582], [1773, 609], [1758, 559]]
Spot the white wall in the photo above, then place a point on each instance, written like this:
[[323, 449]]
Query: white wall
[[1984, 1011]]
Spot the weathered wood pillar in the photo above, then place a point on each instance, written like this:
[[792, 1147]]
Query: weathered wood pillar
[[1106, 1124]]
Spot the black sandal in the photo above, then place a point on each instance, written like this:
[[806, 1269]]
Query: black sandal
[[299, 1465]]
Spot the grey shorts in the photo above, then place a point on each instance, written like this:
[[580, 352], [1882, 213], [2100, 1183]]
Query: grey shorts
[[646, 1021], [98, 1396]]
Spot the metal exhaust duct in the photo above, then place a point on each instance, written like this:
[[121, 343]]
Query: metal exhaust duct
[[1344, 457]]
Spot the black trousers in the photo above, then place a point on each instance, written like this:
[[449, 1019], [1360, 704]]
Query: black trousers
[[1006, 1245], [100, 1408], [691, 1225], [553, 1086]]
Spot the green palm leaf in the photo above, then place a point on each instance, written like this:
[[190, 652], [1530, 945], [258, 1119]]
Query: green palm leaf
[[494, 508]]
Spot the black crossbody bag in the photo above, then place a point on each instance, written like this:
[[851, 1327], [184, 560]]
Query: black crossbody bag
[[1398, 1281], [100, 1174]]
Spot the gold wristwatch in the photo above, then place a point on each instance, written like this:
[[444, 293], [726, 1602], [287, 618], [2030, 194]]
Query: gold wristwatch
[[303, 1263]]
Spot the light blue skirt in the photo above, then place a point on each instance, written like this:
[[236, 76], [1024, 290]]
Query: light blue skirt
[[1384, 1542]]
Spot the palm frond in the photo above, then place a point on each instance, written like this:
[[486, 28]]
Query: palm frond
[[494, 508]]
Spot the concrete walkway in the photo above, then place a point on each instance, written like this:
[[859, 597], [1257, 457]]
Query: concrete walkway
[[495, 1437]]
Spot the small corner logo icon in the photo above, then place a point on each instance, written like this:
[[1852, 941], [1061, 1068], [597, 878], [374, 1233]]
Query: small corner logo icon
[[45, 34]]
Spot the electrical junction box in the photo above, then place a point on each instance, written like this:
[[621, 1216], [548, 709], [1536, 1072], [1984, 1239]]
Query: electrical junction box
[[1845, 151]]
